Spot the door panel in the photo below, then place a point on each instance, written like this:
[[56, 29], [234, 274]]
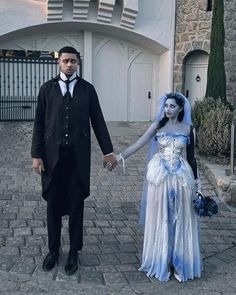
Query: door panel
[[140, 91], [108, 77], [196, 76]]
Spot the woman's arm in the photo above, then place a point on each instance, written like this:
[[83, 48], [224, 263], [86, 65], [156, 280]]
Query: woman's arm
[[140, 142], [190, 154]]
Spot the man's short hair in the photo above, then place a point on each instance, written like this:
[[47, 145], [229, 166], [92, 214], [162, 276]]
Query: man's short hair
[[68, 49]]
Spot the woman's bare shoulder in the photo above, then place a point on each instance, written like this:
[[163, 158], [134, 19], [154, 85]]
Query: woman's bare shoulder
[[186, 127]]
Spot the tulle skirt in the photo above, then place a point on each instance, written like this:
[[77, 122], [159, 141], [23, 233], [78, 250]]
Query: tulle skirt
[[171, 234]]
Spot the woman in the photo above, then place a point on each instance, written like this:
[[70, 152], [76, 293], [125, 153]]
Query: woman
[[171, 241]]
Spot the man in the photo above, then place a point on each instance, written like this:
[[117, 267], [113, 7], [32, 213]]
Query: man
[[61, 152]]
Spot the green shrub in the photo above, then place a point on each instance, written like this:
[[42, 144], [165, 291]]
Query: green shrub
[[200, 110], [212, 120], [214, 133]]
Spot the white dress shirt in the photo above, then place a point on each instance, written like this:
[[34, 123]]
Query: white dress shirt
[[63, 84]]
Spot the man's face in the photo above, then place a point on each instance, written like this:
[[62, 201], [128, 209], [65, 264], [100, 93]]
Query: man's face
[[68, 63]]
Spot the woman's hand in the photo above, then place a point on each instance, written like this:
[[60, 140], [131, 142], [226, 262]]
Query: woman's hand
[[118, 157], [198, 185]]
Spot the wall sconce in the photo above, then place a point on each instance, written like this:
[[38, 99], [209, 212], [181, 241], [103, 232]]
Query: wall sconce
[[198, 78]]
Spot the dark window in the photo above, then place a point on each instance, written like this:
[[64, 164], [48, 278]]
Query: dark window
[[209, 5]]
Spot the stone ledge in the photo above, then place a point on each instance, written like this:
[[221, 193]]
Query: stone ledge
[[224, 185]]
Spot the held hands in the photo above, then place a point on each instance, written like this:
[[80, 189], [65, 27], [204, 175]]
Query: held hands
[[37, 165], [118, 158], [109, 162]]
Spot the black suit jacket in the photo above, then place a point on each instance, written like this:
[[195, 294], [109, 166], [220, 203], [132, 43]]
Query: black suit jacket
[[47, 132]]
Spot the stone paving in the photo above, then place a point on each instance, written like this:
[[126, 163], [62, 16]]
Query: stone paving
[[112, 249]]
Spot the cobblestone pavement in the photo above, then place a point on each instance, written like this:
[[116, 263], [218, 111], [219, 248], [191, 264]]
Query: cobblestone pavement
[[110, 259]]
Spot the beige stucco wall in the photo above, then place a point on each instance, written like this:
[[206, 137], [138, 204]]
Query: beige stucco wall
[[154, 18]]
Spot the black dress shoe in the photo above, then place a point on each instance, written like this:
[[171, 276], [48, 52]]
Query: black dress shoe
[[50, 260], [72, 263]]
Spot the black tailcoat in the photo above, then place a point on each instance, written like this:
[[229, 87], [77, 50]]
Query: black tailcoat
[[47, 132]]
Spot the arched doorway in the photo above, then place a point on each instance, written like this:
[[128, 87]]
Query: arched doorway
[[196, 64], [123, 75]]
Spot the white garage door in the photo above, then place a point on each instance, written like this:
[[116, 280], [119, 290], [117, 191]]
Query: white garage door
[[140, 92], [108, 79], [123, 77]]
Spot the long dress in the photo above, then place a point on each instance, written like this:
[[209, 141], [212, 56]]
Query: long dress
[[171, 234]]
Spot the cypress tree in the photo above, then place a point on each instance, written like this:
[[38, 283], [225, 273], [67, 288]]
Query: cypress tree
[[216, 82]]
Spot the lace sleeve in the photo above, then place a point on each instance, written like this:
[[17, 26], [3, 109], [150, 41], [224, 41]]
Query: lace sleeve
[[133, 148], [190, 154]]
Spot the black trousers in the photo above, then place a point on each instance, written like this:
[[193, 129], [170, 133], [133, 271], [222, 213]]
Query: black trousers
[[65, 197]]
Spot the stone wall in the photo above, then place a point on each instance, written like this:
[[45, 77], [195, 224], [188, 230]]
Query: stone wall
[[230, 48], [193, 24]]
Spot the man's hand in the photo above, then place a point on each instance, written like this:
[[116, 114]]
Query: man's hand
[[37, 165], [109, 161]]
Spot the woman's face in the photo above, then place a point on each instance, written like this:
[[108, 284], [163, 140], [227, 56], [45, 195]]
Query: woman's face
[[172, 109]]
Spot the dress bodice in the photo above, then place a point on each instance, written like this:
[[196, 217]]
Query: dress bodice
[[172, 147]]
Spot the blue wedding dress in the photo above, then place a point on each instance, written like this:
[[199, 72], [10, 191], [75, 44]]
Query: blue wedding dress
[[171, 234], [171, 228]]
